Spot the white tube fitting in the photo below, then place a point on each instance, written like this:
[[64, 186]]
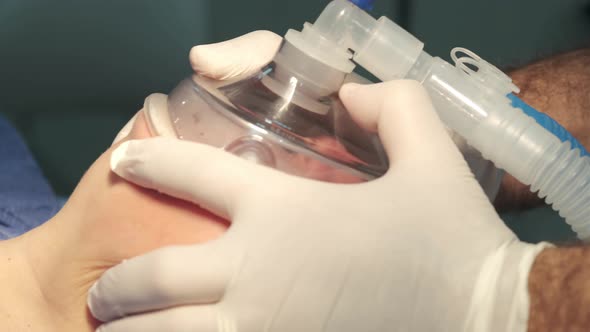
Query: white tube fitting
[[380, 46], [390, 51]]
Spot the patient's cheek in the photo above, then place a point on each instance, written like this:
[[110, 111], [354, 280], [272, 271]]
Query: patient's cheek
[[143, 220], [130, 220]]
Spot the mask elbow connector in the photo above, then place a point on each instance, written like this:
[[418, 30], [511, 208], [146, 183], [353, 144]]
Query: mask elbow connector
[[345, 32], [345, 27], [389, 41]]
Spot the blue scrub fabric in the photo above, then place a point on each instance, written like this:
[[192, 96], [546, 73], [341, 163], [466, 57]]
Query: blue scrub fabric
[[26, 199]]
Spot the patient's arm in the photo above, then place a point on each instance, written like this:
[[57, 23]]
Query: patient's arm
[[47, 272], [559, 287], [560, 87]]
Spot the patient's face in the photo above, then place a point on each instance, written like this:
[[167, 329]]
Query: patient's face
[[141, 219], [107, 220]]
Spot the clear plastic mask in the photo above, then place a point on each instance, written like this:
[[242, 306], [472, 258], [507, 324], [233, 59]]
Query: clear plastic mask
[[283, 127], [261, 120]]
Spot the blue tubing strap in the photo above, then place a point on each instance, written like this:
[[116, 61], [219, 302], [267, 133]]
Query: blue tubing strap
[[364, 4], [548, 123]]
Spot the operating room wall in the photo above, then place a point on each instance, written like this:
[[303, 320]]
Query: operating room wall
[[72, 72], [233, 18], [508, 33]]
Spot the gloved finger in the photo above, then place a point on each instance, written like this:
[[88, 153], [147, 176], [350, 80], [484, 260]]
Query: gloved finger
[[124, 132], [164, 278], [204, 175], [182, 319], [403, 114], [241, 56]]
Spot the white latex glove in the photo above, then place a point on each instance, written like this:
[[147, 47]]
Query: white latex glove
[[420, 249]]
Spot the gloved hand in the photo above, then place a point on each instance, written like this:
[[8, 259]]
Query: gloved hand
[[419, 249]]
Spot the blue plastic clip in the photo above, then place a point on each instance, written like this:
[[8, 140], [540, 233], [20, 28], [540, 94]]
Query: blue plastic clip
[[364, 4]]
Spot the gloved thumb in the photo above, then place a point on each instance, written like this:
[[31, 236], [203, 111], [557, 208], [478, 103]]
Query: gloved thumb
[[404, 117], [238, 57]]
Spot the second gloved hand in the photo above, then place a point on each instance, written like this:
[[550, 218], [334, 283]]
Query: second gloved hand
[[419, 249]]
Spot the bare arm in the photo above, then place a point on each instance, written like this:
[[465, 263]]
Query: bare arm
[[560, 87], [559, 286]]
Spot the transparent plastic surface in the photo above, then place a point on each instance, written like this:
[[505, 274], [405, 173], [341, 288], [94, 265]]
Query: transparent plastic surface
[[260, 120], [275, 125]]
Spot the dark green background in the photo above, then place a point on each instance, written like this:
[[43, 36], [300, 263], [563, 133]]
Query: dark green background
[[73, 72]]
